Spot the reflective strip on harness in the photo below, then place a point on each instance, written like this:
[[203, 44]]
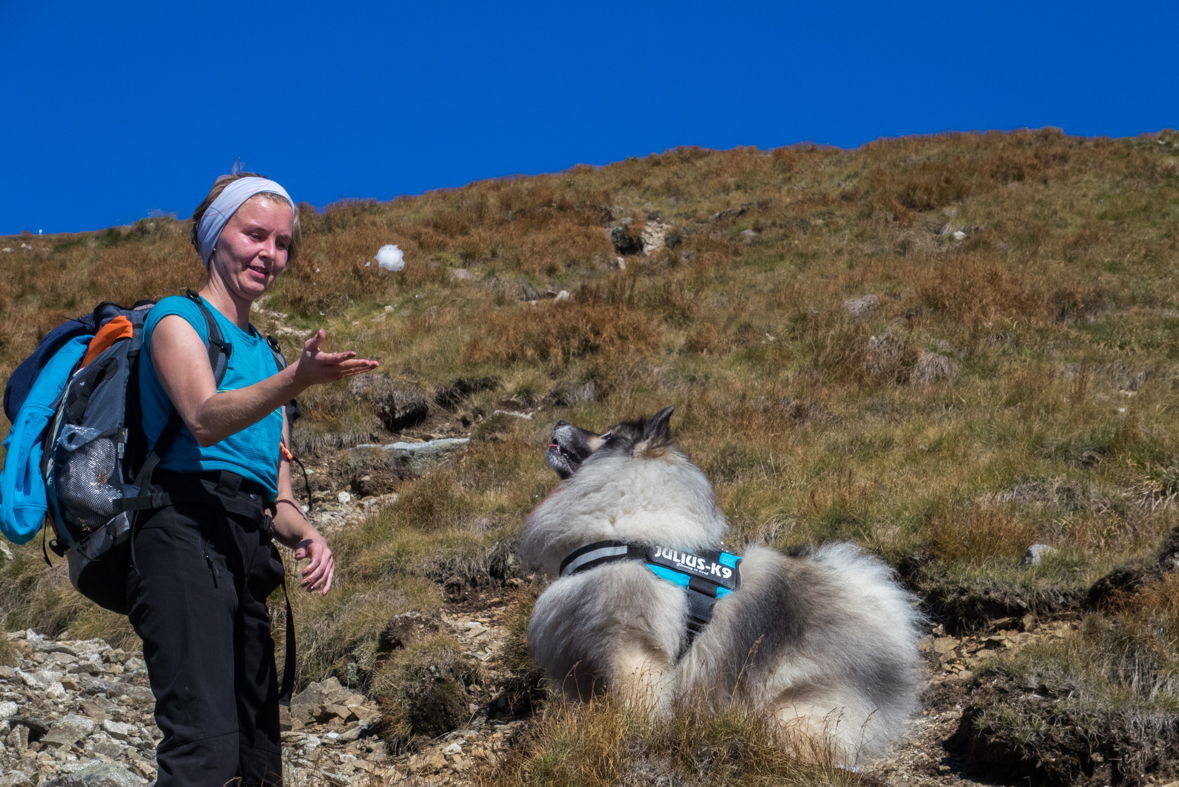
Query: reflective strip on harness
[[581, 558]]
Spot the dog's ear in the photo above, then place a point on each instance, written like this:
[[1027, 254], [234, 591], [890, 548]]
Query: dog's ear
[[659, 427]]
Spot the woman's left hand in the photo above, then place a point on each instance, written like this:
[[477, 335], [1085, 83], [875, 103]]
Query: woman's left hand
[[319, 572]]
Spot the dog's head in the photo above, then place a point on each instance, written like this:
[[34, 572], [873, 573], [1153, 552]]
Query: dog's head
[[629, 483], [572, 445]]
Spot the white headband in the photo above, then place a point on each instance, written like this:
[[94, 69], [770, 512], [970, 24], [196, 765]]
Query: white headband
[[227, 203]]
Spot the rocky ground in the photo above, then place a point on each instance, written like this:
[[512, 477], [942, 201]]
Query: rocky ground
[[78, 713]]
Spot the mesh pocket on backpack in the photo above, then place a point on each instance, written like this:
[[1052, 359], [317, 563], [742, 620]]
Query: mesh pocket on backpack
[[87, 477]]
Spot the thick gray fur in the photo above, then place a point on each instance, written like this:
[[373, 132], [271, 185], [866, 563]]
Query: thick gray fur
[[826, 642]]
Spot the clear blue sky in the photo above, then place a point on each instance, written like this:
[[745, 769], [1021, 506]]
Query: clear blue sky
[[113, 110]]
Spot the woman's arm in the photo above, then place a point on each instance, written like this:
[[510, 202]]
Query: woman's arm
[[292, 529], [213, 416]]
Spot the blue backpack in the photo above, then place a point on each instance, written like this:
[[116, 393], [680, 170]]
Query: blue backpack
[[77, 454]]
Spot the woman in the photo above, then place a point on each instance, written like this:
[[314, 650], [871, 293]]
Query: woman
[[205, 564]]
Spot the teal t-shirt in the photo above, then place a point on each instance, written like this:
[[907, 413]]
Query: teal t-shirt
[[251, 453]]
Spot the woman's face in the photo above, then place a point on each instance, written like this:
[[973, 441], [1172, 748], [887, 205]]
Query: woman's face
[[252, 249]]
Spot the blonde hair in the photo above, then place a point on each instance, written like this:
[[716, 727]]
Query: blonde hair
[[215, 192]]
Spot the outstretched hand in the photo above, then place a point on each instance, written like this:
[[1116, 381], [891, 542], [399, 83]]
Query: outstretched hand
[[319, 572], [315, 367]]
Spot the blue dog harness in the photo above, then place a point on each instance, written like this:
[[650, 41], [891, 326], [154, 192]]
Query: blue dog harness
[[705, 577]]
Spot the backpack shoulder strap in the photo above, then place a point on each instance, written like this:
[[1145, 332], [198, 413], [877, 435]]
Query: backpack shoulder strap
[[279, 360], [219, 351], [293, 410]]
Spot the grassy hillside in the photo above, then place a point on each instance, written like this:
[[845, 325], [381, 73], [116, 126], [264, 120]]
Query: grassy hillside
[[944, 348]]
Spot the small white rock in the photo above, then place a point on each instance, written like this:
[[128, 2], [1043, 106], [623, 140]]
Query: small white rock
[[1035, 554], [344, 497], [118, 730]]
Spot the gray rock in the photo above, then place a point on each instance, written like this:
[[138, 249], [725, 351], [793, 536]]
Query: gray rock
[[654, 235], [35, 726], [69, 730], [397, 403], [314, 701], [862, 307], [351, 735], [112, 689], [141, 695], [107, 747], [932, 368], [118, 730], [49, 646], [1035, 554], [420, 457], [104, 774], [8, 710], [17, 739], [90, 647], [885, 355], [108, 688], [16, 779]]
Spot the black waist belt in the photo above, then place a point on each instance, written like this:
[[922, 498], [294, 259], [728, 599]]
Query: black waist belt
[[704, 576], [220, 489]]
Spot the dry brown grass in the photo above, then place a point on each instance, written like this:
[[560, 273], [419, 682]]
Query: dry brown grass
[[560, 333], [977, 291], [984, 533], [600, 743]]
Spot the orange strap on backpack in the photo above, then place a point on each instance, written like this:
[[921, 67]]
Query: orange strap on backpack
[[118, 328]]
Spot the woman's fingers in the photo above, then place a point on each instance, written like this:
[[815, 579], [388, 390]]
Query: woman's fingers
[[321, 367], [319, 572], [312, 344], [313, 576], [350, 367]]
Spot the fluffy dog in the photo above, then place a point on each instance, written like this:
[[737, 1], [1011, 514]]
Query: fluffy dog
[[824, 641]]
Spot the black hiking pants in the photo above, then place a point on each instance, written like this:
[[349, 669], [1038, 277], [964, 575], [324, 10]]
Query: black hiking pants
[[198, 590]]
